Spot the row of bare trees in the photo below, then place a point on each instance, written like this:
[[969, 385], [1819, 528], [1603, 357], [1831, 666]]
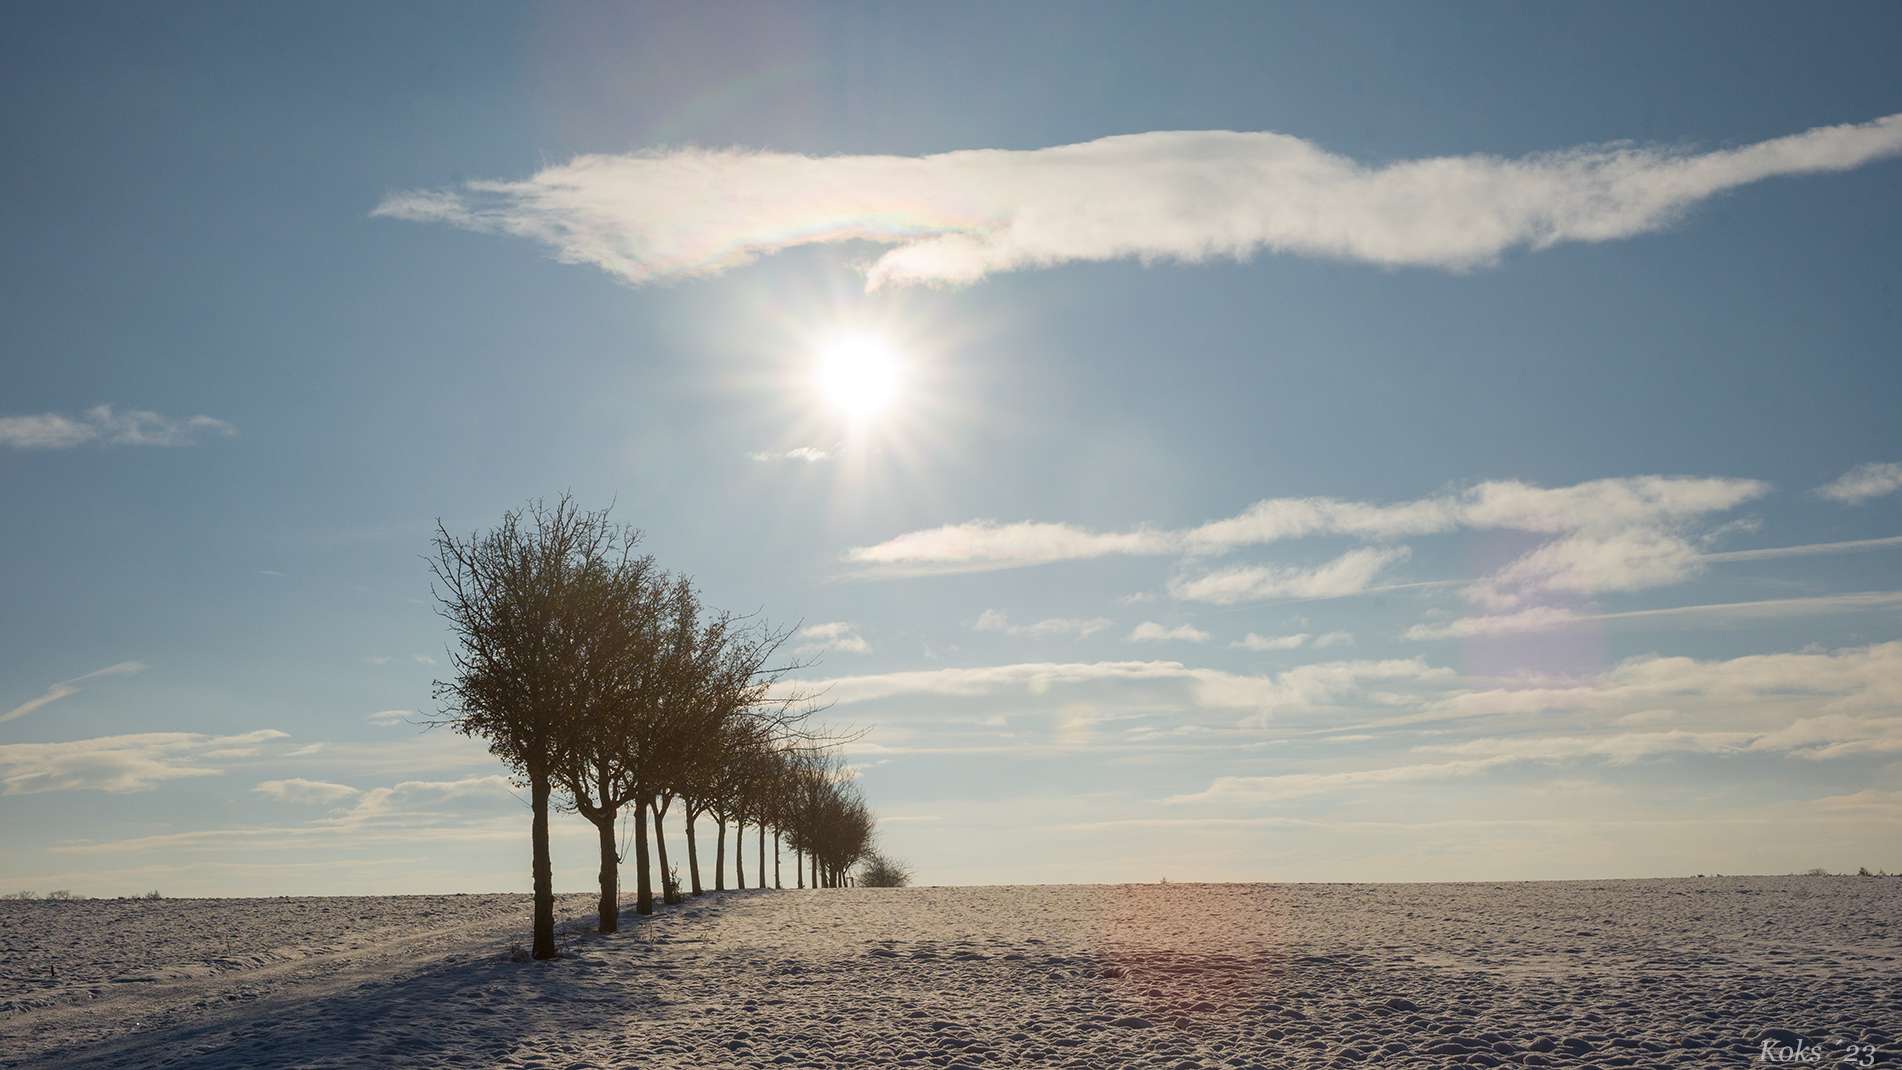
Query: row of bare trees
[[602, 683]]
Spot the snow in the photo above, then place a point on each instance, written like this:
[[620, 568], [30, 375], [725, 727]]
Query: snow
[[1700, 971]]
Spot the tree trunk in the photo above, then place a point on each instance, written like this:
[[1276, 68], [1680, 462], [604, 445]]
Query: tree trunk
[[693, 857], [643, 879], [719, 853], [544, 869], [799, 865], [739, 851], [610, 916], [776, 883], [762, 854], [668, 893]]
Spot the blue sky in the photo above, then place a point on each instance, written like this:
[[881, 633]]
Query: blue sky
[[1345, 442]]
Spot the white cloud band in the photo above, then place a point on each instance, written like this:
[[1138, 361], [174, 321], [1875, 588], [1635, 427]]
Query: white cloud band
[[1169, 195]]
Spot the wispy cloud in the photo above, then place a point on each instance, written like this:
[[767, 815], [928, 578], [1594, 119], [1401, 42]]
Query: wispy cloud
[[310, 792], [68, 687], [1351, 573], [979, 545], [1604, 535], [414, 811], [1620, 748], [1863, 680], [1854, 546], [1863, 483], [1324, 685], [1149, 631], [1811, 738], [983, 680], [837, 635], [1251, 789], [119, 763], [134, 427], [1538, 618], [1168, 195], [994, 620], [389, 717], [1262, 642], [1300, 689], [1541, 618], [1819, 706], [808, 454], [1629, 560]]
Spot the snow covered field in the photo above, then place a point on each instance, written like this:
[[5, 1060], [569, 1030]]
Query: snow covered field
[[1699, 971]]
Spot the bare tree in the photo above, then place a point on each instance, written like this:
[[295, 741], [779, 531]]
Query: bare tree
[[633, 664], [529, 602], [711, 787], [837, 832], [656, 715]]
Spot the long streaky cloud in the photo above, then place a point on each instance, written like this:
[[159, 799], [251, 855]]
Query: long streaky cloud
[[1813, 549], [67, 687], [1541, 618], [1187, 196]]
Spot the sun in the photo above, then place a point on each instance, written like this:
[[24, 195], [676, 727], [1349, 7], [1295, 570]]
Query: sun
[[859, 375]]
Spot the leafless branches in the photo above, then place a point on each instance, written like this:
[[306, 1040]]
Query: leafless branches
[[592, 673]]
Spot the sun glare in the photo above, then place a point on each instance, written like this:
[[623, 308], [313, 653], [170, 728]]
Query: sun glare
[[858, 375]]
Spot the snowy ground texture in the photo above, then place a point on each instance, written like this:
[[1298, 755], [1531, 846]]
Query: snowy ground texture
[[1694, 971]]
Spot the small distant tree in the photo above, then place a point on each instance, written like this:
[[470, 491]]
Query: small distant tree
[[880, 871]]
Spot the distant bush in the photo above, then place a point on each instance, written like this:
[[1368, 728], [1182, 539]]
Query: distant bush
[[1819, 871], [878, 871], [20, 895], [63, 894], [153, 894]]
